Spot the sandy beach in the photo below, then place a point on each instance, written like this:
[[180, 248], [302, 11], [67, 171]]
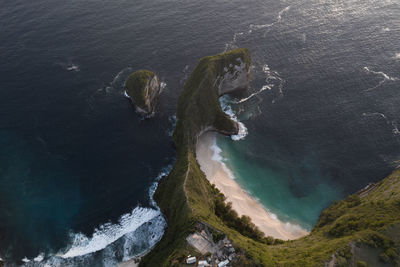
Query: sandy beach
[[217, 173]]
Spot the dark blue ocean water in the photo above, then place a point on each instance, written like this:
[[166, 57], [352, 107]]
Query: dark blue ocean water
[[74, 157], [324, 111]]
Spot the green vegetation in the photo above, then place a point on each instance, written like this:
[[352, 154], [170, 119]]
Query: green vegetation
[[367, 221], [185, 195], [139, 90], [230, 217]]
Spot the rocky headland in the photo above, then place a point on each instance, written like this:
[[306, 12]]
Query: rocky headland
[[143, 88], [362, 230]]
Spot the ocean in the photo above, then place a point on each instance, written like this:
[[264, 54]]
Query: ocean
[[78, 166]]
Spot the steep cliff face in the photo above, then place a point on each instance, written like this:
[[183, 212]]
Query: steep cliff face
[[362, 230], [235, 77], [185, 196], [143, 88]]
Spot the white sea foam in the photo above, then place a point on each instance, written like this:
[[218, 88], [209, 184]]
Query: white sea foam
[[385, 29], [39, 258], [73, 67], [217, 151], [385, 78], [68, 66], [232, 44], [265, 87], [229, 111], [132, 244], [375, 114], [395, 129], [273, 215], [218, 157], [135, 231], [117, 85], [121, 76], [126, 94], [270, 77], [278, 19], [243, 132], [172, 120], [164, 172], [162, 86], [397, 56], [108, 233]]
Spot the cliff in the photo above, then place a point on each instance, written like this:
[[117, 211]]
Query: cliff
[[143, 88], [362, 229]]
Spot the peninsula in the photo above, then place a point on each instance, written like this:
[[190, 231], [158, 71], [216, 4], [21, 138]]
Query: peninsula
[[362, 230]]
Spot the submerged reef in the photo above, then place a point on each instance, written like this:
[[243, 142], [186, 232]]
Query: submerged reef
[[143, 87]]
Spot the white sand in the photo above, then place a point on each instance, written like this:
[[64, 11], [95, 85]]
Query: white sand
[[217, 173]]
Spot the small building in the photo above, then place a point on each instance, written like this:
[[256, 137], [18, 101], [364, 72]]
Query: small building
[[223, 263], [191, 260]]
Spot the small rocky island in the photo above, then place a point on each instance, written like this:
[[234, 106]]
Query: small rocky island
[[143, 87]]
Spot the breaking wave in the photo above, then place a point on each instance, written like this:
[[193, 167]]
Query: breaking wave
[[225, 105], [108, 233], [135, 234]]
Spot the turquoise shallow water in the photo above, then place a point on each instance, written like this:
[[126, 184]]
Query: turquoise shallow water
[[76, 162], [272, 186]]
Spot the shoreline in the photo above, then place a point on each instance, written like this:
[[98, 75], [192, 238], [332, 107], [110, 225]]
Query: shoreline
[[243, 203]]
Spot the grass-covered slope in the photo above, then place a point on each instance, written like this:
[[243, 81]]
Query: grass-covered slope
[[184, 196], [143, 88], [361, 229]]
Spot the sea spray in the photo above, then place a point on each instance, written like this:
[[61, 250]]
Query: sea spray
[[272, 80], [108, 233], [135, 234], [39, 258], [225, 105]]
